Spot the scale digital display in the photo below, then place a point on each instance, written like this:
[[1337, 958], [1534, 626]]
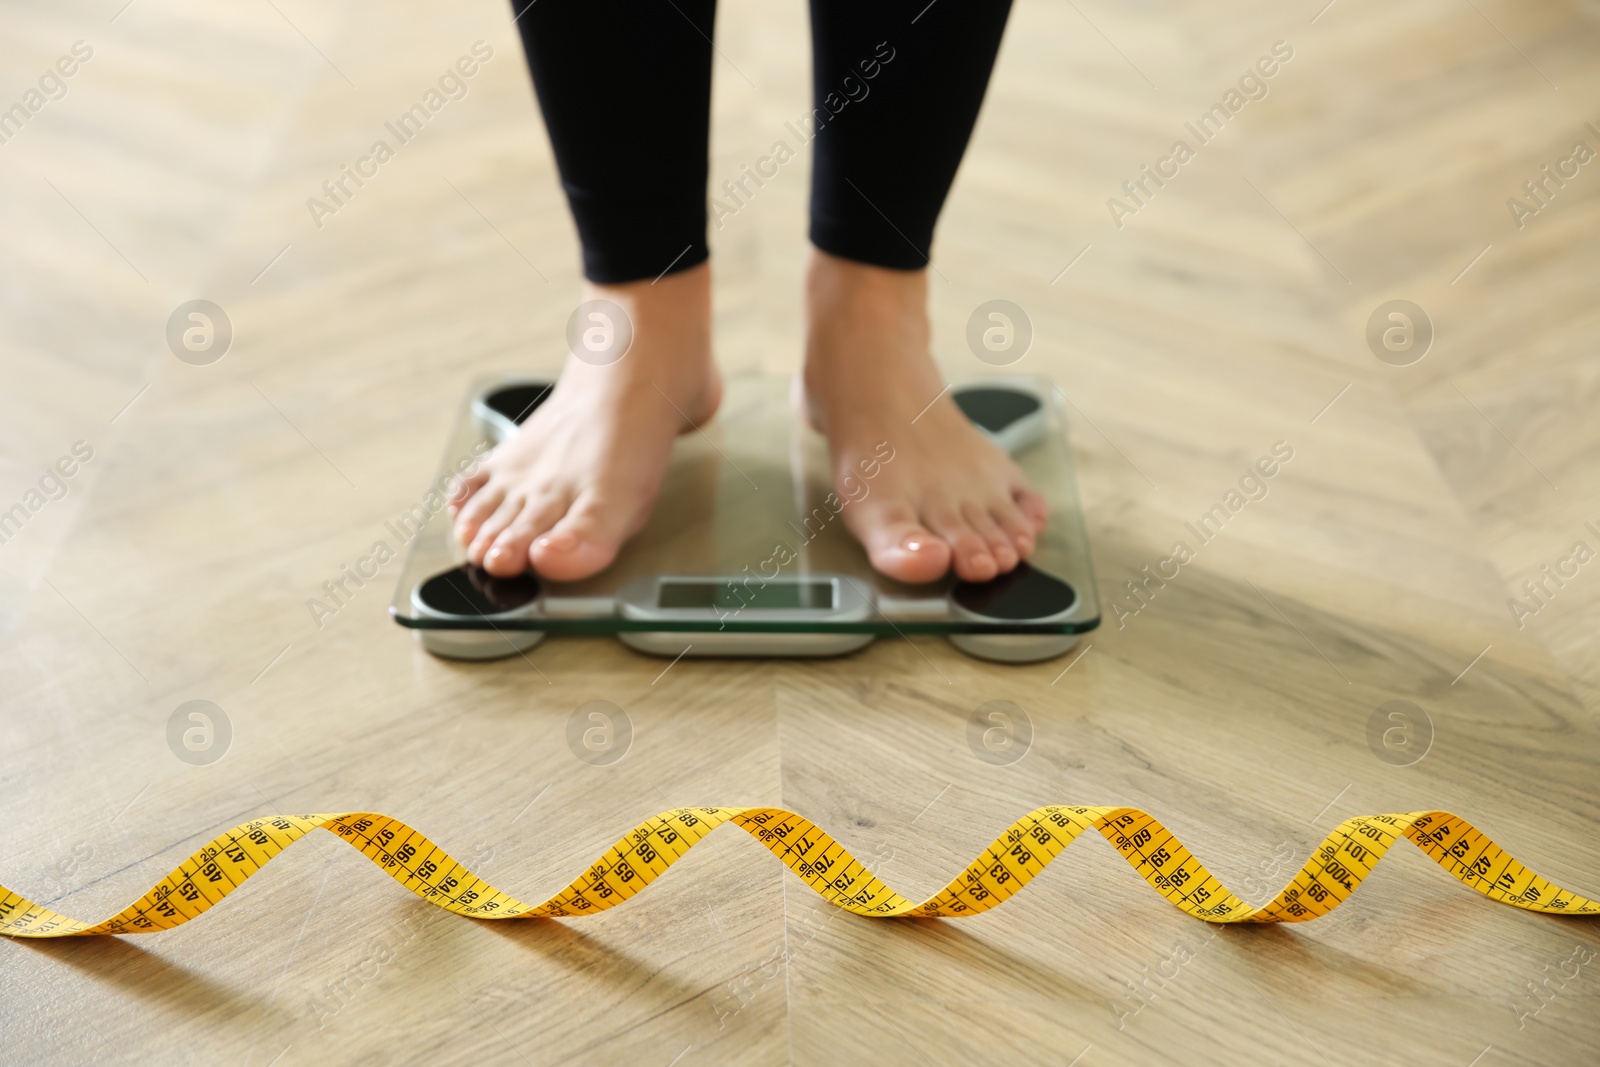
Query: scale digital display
[[737, 593]]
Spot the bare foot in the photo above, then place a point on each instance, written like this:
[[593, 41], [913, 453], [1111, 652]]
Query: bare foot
[[582, 474], [949, 496]]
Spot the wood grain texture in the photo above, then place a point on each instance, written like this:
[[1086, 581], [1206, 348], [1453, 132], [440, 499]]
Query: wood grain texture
[[1223, 317]]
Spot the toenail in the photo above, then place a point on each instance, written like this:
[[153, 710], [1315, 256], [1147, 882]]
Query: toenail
[[560, 542], [912, 543], [494, 555]]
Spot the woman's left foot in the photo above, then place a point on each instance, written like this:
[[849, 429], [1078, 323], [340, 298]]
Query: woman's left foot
[[946, 497]]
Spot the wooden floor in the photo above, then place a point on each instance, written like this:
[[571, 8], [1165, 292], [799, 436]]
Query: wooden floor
[[1227, 314]]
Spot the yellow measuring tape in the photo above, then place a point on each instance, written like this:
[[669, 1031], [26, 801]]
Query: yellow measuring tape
[[1345, 857]]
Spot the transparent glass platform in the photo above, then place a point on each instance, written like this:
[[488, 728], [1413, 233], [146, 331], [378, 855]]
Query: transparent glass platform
[[747, 553]]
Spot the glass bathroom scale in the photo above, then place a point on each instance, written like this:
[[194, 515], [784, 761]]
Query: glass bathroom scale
[[747, 553]]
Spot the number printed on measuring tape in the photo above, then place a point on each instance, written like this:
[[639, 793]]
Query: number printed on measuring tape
[[1338, 865]]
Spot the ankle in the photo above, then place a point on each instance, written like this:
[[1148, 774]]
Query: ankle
[[866, 326], [672, 313], [834, 284]]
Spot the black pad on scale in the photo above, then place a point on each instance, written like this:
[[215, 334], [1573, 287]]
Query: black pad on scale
[[516, 402], [994, 408], [470, 591], [1022, 595]]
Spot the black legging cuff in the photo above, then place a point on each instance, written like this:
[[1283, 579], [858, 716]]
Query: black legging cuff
[[625, 88], [849, 236], [896, 87], [637, 239]]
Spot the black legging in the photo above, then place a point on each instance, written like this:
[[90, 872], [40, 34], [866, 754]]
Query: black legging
[[625, 88]]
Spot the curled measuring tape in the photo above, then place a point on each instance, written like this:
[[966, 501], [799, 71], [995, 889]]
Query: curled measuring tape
[[1344, 858]]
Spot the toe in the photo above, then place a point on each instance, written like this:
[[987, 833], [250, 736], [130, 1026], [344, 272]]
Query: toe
[[1018, 526], [1033, 505], [898, 545], [482, 504], [464, 487], [503, 516], [973, 561], [1001, 546], [584, 542], [509, 556]]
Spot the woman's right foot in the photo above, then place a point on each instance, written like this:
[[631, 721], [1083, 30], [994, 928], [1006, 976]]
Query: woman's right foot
[[582, 474]]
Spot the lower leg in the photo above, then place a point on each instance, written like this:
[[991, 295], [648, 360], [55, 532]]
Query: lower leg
[[896, 89], [898, 86], [617, 80]]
